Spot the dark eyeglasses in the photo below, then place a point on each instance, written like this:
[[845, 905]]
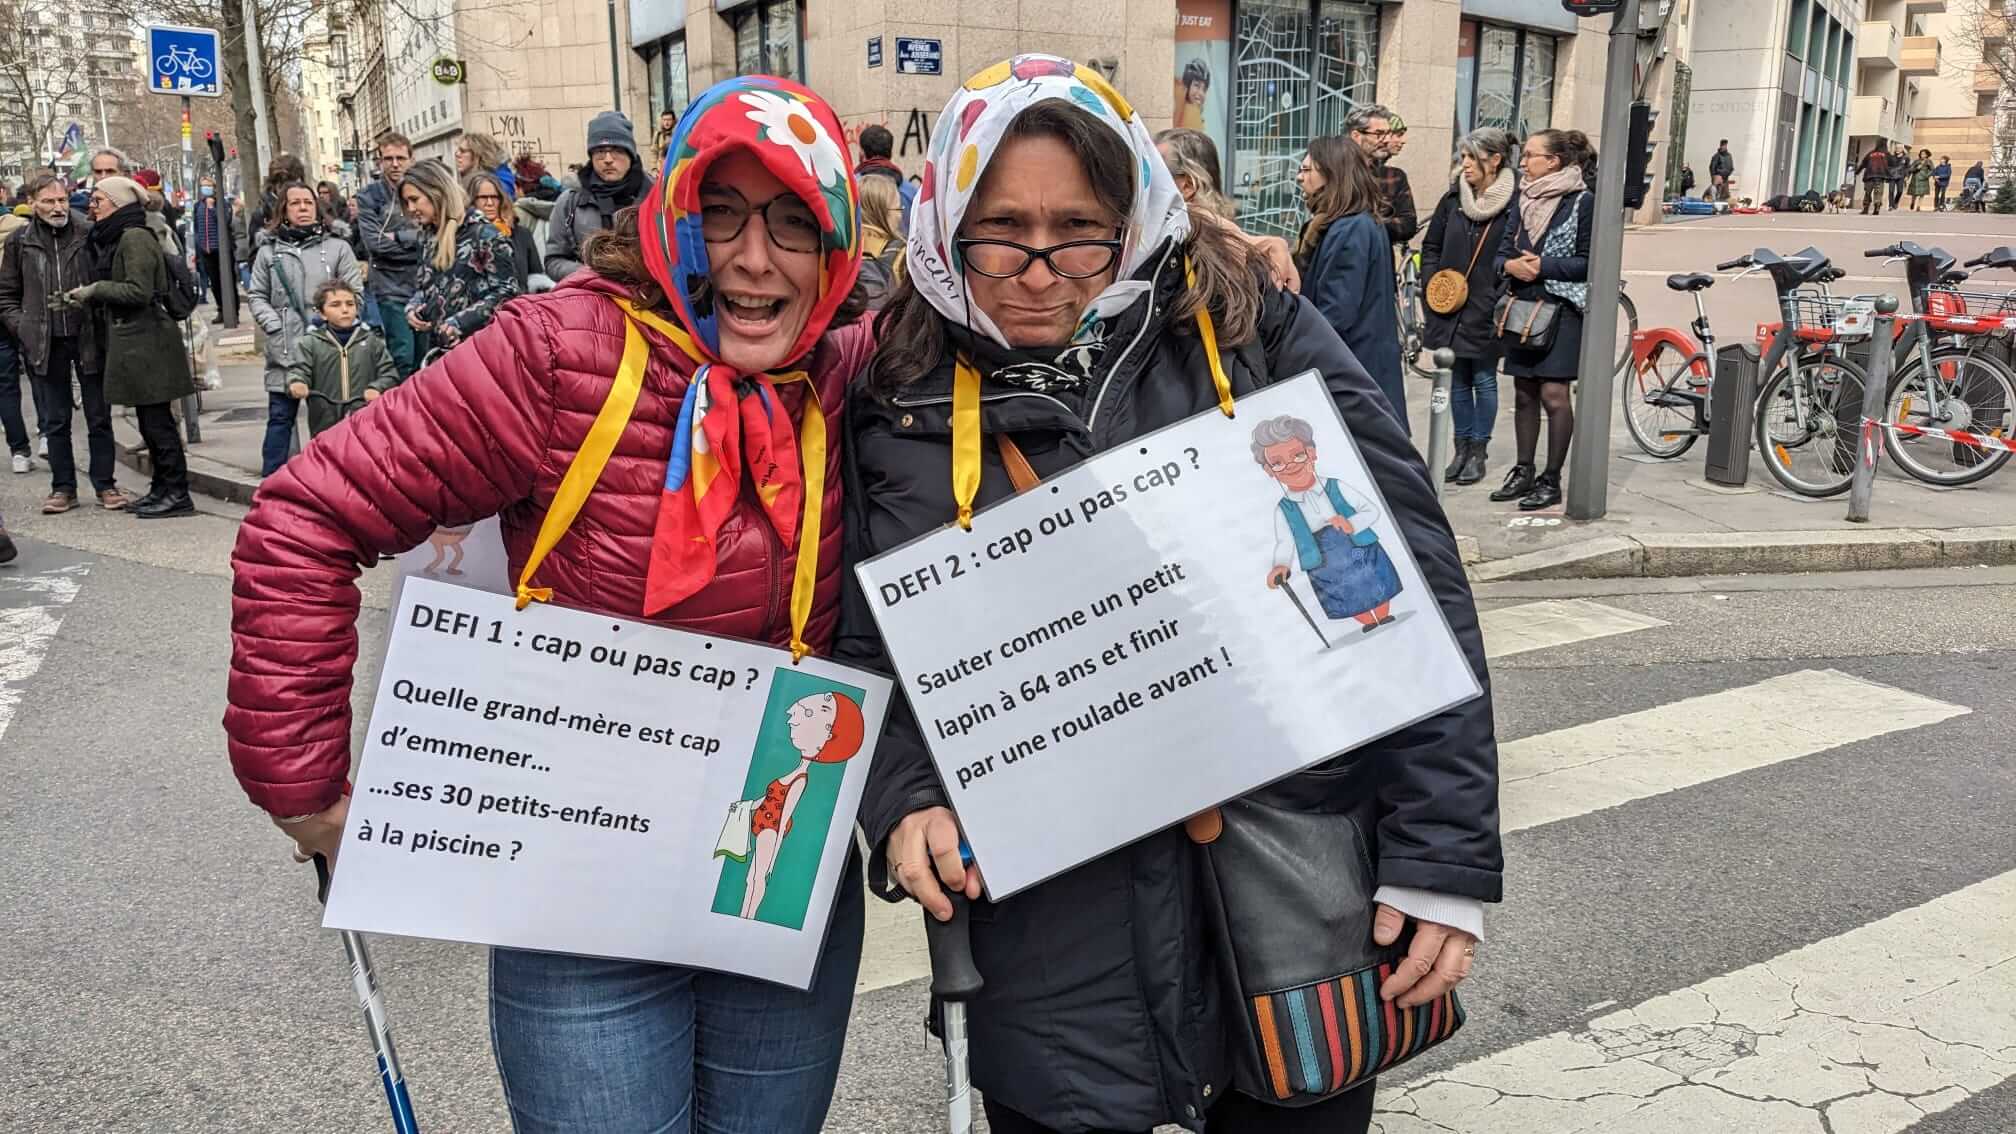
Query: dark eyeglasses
[[1005, 259], [490, 197], [786, 218]]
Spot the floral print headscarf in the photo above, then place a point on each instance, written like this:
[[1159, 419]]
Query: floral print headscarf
[[968, 134]]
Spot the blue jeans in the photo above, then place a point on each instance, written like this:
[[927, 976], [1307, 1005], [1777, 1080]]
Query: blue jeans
[[1473, 398], [398, 334], [594, 1046], [279, 445]]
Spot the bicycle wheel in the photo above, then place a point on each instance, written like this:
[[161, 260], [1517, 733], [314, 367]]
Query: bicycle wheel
[[1627, 329], [1808, 430], [1659, 399], [1976, 394]]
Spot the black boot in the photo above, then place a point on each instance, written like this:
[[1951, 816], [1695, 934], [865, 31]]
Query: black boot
[[166, 505], [1455, 468], [1518, 483], [1473, 463], [1546, 493]]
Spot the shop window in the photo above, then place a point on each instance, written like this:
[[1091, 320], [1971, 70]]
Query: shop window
[[666, 62], [769, 40], [1507, 81], [1536, 83], [1299, 69]]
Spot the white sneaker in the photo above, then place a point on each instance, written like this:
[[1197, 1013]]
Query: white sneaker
[[41, 446], [22, 464]]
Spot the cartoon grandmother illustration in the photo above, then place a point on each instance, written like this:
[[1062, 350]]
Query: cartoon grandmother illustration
[[1324, 530], [823, 728]]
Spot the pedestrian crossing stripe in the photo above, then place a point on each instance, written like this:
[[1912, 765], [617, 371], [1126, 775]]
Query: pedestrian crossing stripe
[[1574, 771], [1539, 625], [31, 610], [1868, 1031]]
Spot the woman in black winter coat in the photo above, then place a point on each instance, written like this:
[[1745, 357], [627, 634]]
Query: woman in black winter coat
[[1463, 237], [1545, 257], [1103, 1008]]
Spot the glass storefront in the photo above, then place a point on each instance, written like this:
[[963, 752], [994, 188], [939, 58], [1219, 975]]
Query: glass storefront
[[1298, 69], [665, 61], [1504, 78], [769, 39]]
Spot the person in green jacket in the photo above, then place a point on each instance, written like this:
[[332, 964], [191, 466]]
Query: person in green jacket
[[342, 365], [1921, 178], [146, 364]]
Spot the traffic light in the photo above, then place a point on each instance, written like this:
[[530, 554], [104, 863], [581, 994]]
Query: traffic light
[[1591, 7], [1638, 154]]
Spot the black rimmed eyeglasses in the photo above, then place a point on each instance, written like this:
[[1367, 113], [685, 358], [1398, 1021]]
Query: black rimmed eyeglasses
[[787, 219], [1005, 259]]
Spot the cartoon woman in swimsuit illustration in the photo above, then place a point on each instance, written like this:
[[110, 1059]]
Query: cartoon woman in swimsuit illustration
[[1324, 530], [822, 728]]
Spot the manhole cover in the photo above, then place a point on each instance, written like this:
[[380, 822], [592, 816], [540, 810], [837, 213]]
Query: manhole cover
[[242, 413]]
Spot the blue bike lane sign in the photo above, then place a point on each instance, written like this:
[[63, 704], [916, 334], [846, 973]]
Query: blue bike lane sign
[[183, 61]]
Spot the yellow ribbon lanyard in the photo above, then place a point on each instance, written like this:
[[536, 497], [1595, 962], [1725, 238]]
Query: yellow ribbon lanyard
[[966, 411], [595, 450]]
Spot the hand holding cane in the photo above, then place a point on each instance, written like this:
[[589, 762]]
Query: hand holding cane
[[954, 981]]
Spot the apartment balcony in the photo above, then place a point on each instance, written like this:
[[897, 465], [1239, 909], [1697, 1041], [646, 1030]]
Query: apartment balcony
[[1987, 80], [1919, 55], [1872, 116], [1925, 7], [1877, 44], [1994, 28]]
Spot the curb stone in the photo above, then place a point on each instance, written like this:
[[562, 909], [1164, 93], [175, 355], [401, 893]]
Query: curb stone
[[1761, 553]]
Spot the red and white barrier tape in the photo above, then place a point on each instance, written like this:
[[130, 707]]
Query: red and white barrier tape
[[1958, 437]]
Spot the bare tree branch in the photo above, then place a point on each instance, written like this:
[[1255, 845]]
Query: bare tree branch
[[40, 82]]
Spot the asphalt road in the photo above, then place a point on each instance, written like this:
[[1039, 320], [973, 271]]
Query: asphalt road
[[164, 972]]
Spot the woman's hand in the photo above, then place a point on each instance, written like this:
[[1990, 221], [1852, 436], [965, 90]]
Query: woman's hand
[[924, 851], [297, 390], [1437, 960], [1342, 525], [414, 321], [1526, 268], [319, 833], [370, 395], [1276, 577], [1280, 262], [448, 334]]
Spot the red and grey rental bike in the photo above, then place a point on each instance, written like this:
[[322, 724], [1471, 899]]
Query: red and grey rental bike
[[1950, 399]]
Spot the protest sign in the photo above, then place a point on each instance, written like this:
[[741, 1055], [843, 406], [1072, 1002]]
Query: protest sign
[[561, 780], [1166, 626]]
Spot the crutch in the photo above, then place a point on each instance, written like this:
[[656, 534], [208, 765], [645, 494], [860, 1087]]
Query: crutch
[[954, 981], [374, 1014], [1288, 588]]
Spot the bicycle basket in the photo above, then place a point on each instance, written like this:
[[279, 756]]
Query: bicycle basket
[[1823, 318], [1950, 303]]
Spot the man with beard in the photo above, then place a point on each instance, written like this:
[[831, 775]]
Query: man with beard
[[613, 180]]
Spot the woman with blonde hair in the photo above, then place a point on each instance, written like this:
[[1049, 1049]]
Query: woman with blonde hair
[[465, 267], [881, 238], [481, 153]]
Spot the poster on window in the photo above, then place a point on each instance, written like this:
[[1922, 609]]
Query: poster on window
[[1203, 68]]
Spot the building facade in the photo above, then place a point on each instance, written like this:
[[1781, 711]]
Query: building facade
[[1784, 98], [80, 73], [1262, 77], [1895, 54], [1964, 113]]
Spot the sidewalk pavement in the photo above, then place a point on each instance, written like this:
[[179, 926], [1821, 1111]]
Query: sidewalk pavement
[[1664, 518]]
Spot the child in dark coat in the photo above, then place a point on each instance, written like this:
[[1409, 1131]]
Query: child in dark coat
[[343, 362]]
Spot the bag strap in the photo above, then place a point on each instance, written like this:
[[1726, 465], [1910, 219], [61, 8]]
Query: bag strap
[[1020, 473], [1478, 252]]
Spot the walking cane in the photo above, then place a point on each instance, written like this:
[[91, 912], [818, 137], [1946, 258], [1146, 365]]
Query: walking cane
[[374, 1014], [954, 981], [1288, 588]]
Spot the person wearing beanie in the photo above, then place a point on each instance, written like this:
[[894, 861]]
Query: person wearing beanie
[[614, 179]]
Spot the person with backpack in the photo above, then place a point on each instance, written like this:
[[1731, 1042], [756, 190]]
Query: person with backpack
[[881, 239], [44, 261], [296, 257], [343, 361], [1874, 169], [613, 180], [133, 305]]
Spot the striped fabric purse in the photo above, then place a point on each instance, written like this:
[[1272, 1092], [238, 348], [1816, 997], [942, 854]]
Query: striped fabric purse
[[1289, 893]]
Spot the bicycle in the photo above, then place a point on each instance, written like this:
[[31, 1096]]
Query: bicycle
[[1665, 392], [1808, 412], [1942, 380], [183, 60]]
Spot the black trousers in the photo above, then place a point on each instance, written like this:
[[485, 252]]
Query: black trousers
[[1349, 1113], [52, 396], [213, 266], [164, 448]]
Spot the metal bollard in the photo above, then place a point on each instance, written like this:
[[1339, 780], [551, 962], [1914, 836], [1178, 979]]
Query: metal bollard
[[1874, 394], [1438, 417]]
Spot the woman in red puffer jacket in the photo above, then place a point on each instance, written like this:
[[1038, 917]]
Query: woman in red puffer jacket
[[764, 287]]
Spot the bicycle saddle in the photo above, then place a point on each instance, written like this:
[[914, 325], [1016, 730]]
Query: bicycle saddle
[[1690, 281], [1831, 275], [1953, 277]]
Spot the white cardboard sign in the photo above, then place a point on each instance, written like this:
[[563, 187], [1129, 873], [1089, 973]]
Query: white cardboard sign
[[1152, 633], [560, 780]]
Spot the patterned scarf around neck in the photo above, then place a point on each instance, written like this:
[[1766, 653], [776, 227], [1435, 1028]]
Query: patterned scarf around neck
[[1537, 199]]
